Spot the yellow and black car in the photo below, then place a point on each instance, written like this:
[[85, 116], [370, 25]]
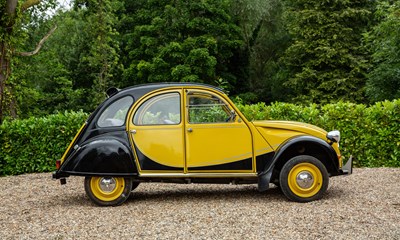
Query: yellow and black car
[[193, 133]]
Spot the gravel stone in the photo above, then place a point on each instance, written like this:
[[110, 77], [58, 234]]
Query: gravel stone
[[365, 205]]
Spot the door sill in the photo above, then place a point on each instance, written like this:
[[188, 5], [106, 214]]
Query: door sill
[[199, 175]]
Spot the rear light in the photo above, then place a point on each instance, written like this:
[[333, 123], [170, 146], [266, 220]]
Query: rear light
[[58, 164]]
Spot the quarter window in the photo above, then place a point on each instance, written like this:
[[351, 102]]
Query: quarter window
[[115, 114], [159, 110]]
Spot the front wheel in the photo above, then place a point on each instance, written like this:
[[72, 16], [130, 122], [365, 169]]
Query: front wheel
[[303, 179], [108, 191]]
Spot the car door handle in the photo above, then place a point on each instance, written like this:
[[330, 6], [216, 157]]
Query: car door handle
[[190, 130], [133, 131]]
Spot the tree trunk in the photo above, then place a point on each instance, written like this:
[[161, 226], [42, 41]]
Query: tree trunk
[[4, 71]]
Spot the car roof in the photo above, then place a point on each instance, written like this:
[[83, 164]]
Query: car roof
[[138, 91]]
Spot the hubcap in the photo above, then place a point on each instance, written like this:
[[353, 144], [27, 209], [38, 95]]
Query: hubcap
[[107, 188], [107, 185], [304, 179]]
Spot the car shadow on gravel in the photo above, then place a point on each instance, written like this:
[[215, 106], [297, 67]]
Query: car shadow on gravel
[[194, 194], [204, 195], [182, 195]]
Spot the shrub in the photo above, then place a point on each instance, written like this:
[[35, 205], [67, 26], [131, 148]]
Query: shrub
[[33, 145], [371, 134]]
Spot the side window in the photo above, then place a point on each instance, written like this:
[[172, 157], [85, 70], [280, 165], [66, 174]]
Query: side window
[[115, 114], [159, 110], [207, 108]]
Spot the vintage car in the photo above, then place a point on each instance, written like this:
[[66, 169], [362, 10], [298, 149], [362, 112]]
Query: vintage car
[[193, 133]]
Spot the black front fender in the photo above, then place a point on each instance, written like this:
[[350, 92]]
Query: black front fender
[[107, 155], [313, 146], [330, 160]]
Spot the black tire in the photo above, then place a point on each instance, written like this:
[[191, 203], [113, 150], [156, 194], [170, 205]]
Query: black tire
[[113, 196], [314, 173]]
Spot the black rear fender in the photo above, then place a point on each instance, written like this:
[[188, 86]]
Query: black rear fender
[[104, 155]]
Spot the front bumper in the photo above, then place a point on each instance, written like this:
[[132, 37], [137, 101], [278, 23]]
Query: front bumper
[[347, 169]]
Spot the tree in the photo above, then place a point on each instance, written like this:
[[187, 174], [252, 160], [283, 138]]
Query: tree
[[11, 13], [182, 41], [102, 56], [383, 81], [77, 64], [265, 39], [325, 60]]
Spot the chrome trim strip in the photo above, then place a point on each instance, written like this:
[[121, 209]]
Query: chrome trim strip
[[200, 175]]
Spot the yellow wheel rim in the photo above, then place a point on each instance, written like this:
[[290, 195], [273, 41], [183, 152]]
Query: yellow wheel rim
[[107, 188], [305, 180]]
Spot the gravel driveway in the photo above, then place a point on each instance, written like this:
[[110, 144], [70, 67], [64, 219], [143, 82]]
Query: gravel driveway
[[365, 205]]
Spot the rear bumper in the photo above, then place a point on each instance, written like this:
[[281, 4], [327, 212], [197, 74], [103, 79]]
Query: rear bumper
[[61, 176], [347, 169], [58, 175]]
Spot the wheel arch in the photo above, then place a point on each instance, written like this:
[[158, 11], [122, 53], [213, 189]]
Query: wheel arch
[[306, 145], [300, 145], [107, 155]]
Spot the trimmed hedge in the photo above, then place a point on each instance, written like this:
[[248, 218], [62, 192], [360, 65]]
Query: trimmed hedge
[[33, 145], [370, 134]]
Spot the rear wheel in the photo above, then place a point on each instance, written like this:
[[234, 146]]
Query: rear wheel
[[108, 191], [303, 179]]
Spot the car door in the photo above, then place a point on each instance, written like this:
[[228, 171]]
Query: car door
[[216, 140], [156, 130]]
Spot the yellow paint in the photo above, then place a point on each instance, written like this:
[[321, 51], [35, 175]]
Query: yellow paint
[[305, 192], [219, 143], [276, 137], [277, 128], [163, 143], [186, 145], [72, 142]]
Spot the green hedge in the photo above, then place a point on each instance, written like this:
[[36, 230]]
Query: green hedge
[[33, 145], [371, 134]]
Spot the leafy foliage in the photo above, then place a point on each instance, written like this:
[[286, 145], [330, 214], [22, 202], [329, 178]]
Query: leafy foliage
[[371, 134], [33, 144], [384, 44], [181, 41], [264, 41], [325, 60]]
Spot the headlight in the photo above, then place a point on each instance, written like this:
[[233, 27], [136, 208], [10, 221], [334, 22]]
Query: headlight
[[334, 136]]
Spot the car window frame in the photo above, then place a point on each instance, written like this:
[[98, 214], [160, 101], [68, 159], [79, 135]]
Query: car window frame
[[104, 109], [155, 99], [229, 109]]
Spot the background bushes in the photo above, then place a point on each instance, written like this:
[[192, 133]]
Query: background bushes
[[33, 144], [371, 134]]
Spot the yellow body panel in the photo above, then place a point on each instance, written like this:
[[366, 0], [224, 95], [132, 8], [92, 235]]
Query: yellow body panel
[[213, 144], [277, 132], [277, 136], [273, 128], [163, 144]]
